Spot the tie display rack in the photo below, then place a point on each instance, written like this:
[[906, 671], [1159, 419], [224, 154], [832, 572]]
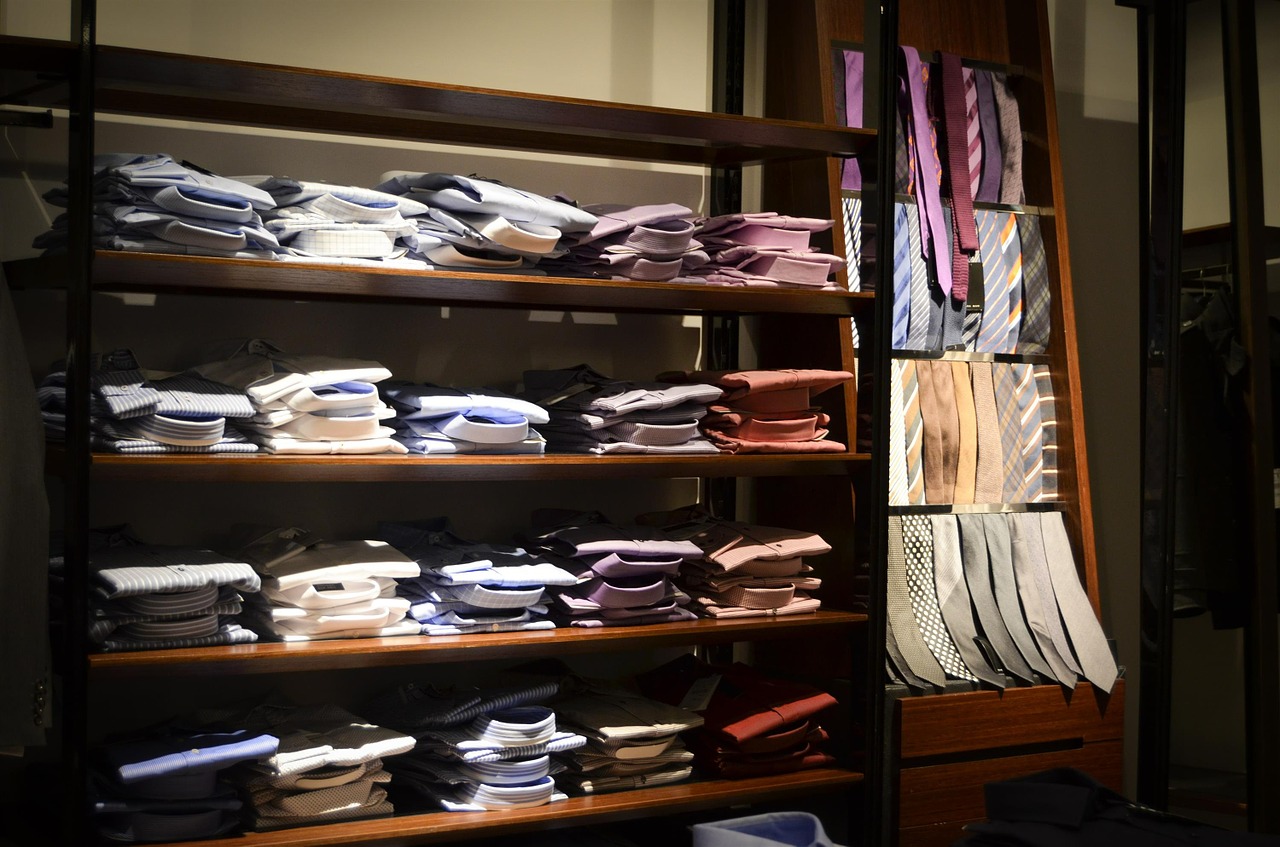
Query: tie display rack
[[910, 768]]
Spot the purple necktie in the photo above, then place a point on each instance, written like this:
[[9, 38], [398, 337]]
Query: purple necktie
[[989, 117], [853, 65], [928, 189], [965, 243]]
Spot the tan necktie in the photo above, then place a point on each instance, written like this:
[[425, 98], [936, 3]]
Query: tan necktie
[[944, 394], [989, 478], [931, 410], [967, 463]]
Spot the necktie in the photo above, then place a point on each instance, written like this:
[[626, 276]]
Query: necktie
[[1010, 142], [1011, 253], [965, 237], [851, 213], [992, 161], [918, 327], [953, 598], [932, 412], [995, 284], [913, 433], [977, 574], [973, 131], [944, 394], [902, 619], [901, 278], [917, 541], [897, 439], [1026, 544], [988, 484], [1032, 434], [1005, 583], [1033, 336], [853, 74], [1086, 634], [904, 146], [928, 166], [1010, 431], [946, 314], [967, 458], [895, 664], [1049, 430]]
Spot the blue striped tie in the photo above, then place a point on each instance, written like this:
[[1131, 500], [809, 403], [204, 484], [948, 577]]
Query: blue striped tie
[[901, 278], [918, 333], [1011, 249], [995, 284]]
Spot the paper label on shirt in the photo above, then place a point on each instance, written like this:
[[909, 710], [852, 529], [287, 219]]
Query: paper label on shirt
[[327, 586], [564, 394], [699, 694]]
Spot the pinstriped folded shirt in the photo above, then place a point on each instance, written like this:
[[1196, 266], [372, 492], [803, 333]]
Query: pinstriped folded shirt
[[149, 569], [561, 742], [228, 633], [99, 629]]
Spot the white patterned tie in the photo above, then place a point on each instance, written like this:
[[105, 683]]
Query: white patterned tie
[[897, 438], [917, 540], [918, 334]]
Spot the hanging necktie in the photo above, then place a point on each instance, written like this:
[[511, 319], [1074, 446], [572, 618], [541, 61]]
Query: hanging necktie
[[851, 215], [1005, 584], [1086, 633], [897, 438], [977, 574], [902, 619], [964, 236], [1037, 301], [973, 131], [967, 458], [1032, 434], [989, 118], [918, 328], [940, 428], [1011, 253], [917, 541], [1049, 429], [901, 278], [928, 168], [913, 433], [851, 180], [1011, 191], [1035, 587], [988, 486], [953, 599], [944, 394], [995, 284], [1010, 432]]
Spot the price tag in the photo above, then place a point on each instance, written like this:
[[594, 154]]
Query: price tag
[[699, 694]]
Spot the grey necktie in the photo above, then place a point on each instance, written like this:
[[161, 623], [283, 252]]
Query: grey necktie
[[902, 619], [917, 540], [953, 598], [977, 572], [1086, 633], [1026, 544], [1005, 583], [896, 664]]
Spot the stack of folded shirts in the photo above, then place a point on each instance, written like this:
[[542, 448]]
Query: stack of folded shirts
[[308, 404], [752, 724], [622, 571], [481, 225], [136, 411], [745, 570], [765, 249], [313, 589], [479, 750], [632, 741], [316, 220], [167, 786], [468, 586], [150, 203], [433, 419], [329, 767], [768, 411], [146, 597], [652, 243], [591, 413]]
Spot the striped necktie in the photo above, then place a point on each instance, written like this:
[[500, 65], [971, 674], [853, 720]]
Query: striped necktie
[[1011, 251], [1049, 433], [1014, 470], [995, 293], [964, 242], [917, 541], [1032, 439], [918, 327], [1036, 298], [901, 278], [897, 438], [973, 127], [851, 212], [913, 426]]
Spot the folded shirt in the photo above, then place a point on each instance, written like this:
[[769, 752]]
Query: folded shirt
[[474, 195]]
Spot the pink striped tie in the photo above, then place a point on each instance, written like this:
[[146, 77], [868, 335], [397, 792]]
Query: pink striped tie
[[974, 127]]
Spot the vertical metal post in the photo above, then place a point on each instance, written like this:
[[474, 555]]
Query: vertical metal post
[[1160, 264], [880, 27], [1248, 260], [74, 699]]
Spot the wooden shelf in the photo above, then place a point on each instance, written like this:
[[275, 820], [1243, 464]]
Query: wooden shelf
[[397, 468], [162, 274], [435, 827], [142, 82], [423, 649]]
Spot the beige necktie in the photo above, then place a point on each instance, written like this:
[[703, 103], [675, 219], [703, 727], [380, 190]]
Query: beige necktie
[[944, 394], [989, 477], [931, 410], [967, 463]]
